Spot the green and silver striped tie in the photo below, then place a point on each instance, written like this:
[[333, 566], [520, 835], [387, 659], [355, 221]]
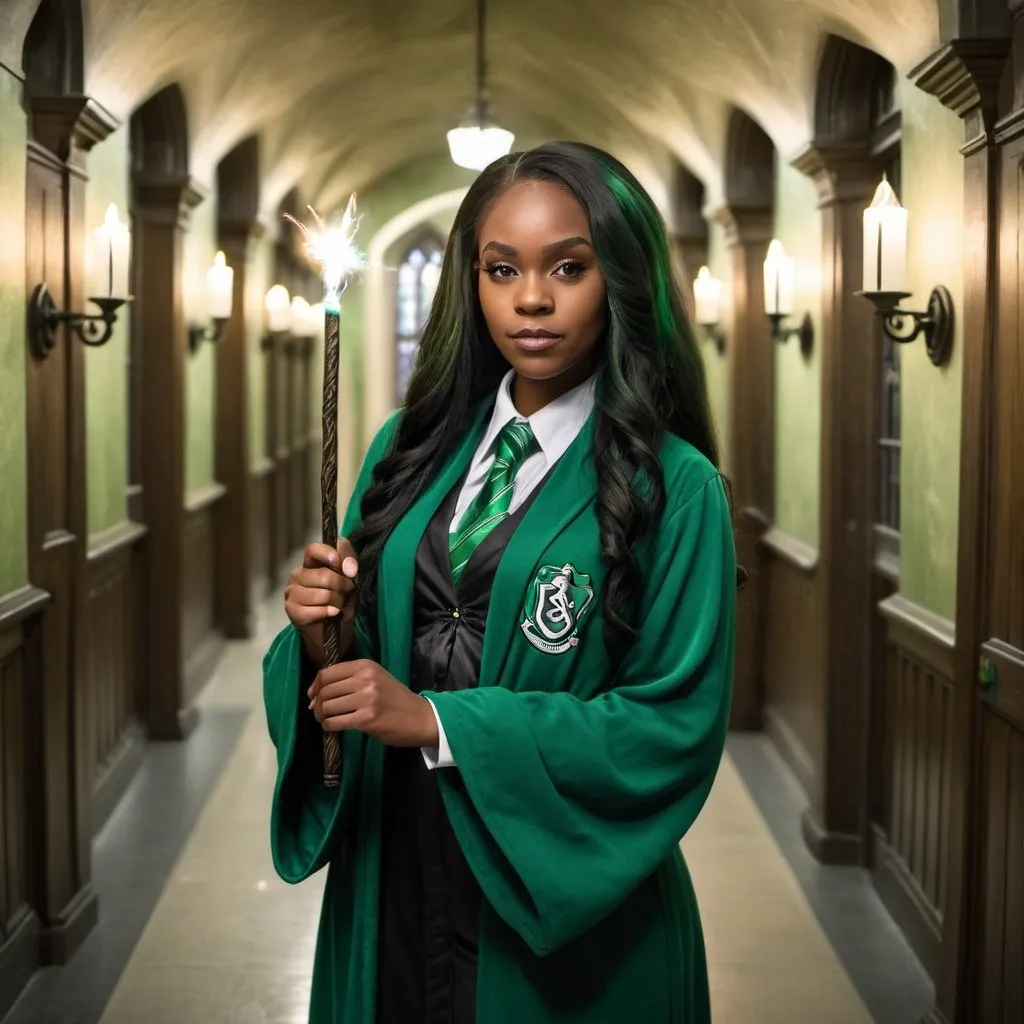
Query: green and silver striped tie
[[515, 445]]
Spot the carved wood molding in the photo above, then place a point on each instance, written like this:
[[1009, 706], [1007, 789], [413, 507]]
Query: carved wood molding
[[744, 225], [928, 636], [791, 550], [118, 537], [169, 200], [65, 123], [20, 604], [840, 171], [262, 468], [203, 497]]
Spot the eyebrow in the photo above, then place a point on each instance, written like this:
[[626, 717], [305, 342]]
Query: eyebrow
[[549, 250]]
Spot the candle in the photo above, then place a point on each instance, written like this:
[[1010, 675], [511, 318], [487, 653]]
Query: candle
[[300, 317], [885, 242], [278, 306], [706, 293], [220, 285], [778, 281], [111, 251]]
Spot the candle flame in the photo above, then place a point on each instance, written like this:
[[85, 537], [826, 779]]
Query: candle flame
[[110, 219], [331, 246], [219, 260], [885, 195]]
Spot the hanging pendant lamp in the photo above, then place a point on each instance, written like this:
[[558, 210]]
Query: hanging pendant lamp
[[476, 142]]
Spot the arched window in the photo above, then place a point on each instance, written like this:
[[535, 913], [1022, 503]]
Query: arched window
[[417, 282]]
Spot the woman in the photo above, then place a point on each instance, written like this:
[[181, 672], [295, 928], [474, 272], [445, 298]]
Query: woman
[[503, 846]]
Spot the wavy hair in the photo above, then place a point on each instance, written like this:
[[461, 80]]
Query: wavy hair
[[650, 378]]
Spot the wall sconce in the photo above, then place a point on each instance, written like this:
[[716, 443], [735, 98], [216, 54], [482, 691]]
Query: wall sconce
[[107, 285], [220, 288], [778, 298], [707, 295], [885, 280], [278, 306]]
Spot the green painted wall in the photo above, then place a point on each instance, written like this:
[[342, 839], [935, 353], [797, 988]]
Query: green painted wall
[[798, 380], [717, 366], [106, 368], [201, 367], [933, 174], [13, 493]]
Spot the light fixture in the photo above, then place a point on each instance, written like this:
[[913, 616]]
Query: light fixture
[[107, 285], [220, 287], [885, 280], [779, 279], [300, 315], [477, 142], [278, 306], [707, 294]]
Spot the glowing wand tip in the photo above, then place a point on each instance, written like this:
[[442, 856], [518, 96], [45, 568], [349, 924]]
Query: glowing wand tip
[[332, 247]]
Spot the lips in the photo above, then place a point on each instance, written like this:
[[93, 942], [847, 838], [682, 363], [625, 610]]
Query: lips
[[535, 339], [534, 333]]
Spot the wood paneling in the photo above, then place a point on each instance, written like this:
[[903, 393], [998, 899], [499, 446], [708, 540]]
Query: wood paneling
[[909, 840], [260, 496], [793, 686], [113, 740], [202, 641], [20, 749]]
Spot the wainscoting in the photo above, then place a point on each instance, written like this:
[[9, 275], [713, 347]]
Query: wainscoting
[[110, 711], [794, 691], [20, 751], [202, 642], [261, 497], [909, 847]]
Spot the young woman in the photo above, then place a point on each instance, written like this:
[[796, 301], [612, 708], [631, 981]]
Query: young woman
[[539, 646]]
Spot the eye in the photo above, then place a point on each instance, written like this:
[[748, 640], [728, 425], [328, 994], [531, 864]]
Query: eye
[[571, 270], [499, 271]]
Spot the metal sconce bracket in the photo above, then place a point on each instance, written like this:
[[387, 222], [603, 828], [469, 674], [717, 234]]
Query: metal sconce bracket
[[904, 325], [198, 334], [44, 318], [804, 331], [715, 334]]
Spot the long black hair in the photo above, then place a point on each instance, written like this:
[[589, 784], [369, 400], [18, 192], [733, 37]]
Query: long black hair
[[650, 378]]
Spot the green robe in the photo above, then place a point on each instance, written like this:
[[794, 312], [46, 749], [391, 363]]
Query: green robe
[[573, 787]]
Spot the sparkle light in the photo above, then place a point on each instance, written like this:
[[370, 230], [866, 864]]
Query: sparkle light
[[332, 247]]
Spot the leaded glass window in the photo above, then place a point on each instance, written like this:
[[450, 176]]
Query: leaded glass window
[[417, 283]]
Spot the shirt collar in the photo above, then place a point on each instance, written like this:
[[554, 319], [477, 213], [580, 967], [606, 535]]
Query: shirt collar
[[555, 426]]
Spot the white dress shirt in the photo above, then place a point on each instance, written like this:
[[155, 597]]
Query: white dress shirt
[[555, 427]]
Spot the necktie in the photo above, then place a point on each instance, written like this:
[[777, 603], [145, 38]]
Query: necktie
[[515, 445]]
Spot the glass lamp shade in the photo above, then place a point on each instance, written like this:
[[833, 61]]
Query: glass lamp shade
[[475, 148]]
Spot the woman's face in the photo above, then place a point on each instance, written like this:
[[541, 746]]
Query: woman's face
[[541, 291]]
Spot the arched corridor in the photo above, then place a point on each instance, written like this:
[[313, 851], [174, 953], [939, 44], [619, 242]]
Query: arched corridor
[[840, 184]]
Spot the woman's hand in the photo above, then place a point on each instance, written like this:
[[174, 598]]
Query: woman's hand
[[361, 695], [323, 587]]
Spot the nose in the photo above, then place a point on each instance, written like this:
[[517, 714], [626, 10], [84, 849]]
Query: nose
[[533, 296]]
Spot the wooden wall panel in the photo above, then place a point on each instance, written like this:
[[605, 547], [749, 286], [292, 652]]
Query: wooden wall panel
[[260, 497], [113, 740], [202, 642], [794, 695], [20, 751], [909, 849]]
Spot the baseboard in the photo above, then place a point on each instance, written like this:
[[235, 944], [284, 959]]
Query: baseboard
[[790, 749], [907, 905], [58, 941], [19, 959], [180, 727], [116, 775], [829, 847]]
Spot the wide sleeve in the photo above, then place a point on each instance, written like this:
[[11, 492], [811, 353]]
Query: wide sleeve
[[305, 815], [563, 806]]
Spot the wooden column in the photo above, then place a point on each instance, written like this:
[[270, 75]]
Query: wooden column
[[235, 567], [63, 130], [162, 212], [846, 176], [751, 458], [965, 75]]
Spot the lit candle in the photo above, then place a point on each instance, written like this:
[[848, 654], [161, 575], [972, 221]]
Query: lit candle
[[885, 242], [220, 284], [111, 251], [300, 316], [706, 293], [279, 311], [778, 281]]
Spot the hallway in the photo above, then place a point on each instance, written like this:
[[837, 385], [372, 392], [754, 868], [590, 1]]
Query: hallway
[[229, 943]]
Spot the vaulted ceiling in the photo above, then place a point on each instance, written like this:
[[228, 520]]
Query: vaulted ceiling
[[343, 91]]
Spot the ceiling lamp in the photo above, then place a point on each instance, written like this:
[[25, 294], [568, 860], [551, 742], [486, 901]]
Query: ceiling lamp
[[477, 142]]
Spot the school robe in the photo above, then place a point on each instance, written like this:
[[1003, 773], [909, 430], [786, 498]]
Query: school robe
[[575, 780]]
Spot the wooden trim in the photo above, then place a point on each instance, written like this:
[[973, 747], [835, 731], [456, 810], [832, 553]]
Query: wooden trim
[[110, 541], [926, 635], [791, 550], [203, 497], [20, 604], [19, 959], [263, 467]]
